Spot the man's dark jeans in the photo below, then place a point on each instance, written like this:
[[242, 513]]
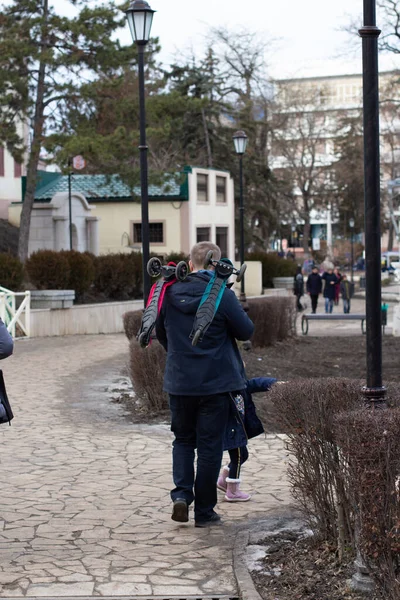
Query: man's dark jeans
[[198, 422]]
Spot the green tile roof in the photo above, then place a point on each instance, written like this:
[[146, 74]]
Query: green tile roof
[[102, 188]]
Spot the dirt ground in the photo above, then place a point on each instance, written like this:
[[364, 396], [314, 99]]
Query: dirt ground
[[318, 357], [301, 569]]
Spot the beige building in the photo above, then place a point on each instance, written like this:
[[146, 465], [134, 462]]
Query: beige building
[[316, 105], [106, 218], [10, 177]]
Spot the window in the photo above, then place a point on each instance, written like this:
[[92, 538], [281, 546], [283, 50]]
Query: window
[[156, 233], [202, 234], [17, 169], [1, 161], [222, 240], [202, 188], [221, 189]]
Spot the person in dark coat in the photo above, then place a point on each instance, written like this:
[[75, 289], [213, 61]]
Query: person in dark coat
[[243, 425], [329, 290], [347, 290], [6, 342], [6, 349], [314, 288], [199, 380], [298, 287], [337, 285]]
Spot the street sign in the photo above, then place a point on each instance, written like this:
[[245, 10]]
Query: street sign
[[78, 162]]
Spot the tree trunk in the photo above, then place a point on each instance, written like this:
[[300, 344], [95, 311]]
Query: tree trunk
[[25, 223], [207, 139], [391, 236], [306, 235]]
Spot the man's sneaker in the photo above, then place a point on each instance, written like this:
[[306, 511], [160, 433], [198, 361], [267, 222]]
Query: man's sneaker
[[214, 520], [180, 511]]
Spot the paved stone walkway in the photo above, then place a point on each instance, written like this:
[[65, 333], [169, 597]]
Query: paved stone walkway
[[85, 508]]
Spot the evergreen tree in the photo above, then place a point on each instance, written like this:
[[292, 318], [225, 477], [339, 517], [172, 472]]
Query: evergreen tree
[[45, 61]]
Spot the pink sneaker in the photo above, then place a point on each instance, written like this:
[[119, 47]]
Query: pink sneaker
[[233, 493], [221, 483]]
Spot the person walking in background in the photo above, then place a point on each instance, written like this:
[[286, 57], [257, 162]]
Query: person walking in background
[[314, 288], [346, 289], [329, 290], [298, 287], [199, 380], [337, 285]]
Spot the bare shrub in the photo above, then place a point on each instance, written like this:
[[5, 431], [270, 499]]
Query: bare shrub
[[370, 442], [274, 320], [306, 409], [132, 321], [147, 372]]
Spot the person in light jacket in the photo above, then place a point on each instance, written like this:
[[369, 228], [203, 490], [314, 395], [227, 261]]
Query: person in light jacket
[[346, 289]]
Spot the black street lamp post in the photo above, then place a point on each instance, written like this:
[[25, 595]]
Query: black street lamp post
[[140, 18], [374, 391], [351, 223], [70, 202], [240, 140]]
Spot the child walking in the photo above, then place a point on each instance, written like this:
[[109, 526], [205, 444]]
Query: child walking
[[243, 424]]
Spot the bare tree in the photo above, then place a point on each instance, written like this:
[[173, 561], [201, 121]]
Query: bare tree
[[301, 131]]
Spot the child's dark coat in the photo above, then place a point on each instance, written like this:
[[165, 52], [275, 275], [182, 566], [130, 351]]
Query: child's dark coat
[[241, 428]]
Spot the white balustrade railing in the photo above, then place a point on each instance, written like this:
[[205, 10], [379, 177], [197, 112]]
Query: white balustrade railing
[[13, 316]]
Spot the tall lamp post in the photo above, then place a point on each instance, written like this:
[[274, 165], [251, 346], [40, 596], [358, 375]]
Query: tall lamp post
[[140, 18], [374, 391], [351, 223], [240, 140]]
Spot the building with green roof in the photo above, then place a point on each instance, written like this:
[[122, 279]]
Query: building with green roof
[[106, 214]]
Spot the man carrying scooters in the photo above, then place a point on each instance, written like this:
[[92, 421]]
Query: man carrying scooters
[[198, 380]]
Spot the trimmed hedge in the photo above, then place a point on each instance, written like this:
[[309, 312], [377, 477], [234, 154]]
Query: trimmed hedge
[[132, 321], [11, 272], [274, 320], [119, 276], [273, 266], [82, 272], [48, 270]]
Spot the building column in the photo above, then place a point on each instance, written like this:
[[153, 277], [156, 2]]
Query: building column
[[60, 233], [92, 235]]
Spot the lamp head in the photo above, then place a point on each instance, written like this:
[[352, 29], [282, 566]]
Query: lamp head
[[140, 19], [240, 140]]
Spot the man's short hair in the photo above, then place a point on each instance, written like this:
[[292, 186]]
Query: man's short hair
[[199, 252]]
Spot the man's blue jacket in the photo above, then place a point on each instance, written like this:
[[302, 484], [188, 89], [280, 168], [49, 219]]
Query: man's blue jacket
[[214, 366]]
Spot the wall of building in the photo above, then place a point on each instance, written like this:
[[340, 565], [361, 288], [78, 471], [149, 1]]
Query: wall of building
[[10, 185], [116, 221], [211, 213]]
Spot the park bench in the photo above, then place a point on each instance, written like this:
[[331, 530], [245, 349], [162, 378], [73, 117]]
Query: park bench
[[331, 317]]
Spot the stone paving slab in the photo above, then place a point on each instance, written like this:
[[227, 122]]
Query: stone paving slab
[[85, 507]]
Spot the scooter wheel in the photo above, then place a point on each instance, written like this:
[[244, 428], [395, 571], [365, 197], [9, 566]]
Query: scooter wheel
[[241, 273], [196, 337], [182, 270], [208, 259], [154, 267], [143, 341]]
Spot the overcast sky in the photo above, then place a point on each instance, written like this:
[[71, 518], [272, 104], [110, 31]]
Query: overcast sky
[[306, 37]]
